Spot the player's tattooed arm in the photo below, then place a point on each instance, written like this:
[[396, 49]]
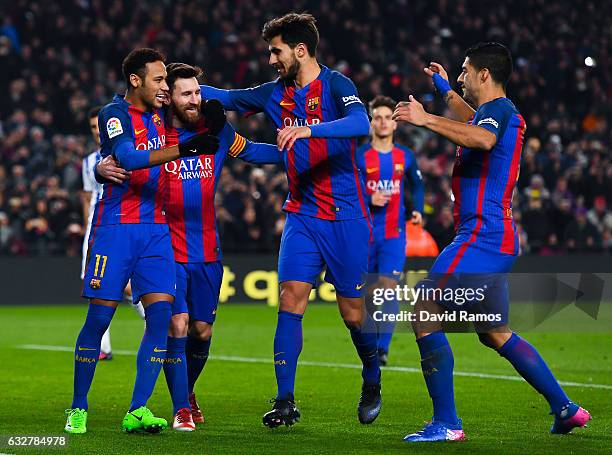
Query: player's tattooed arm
[[461, 110], [464, 135]]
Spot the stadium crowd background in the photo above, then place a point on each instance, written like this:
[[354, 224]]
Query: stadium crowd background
[[60, 58]]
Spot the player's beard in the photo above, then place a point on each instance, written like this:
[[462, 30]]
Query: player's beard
[[292, 70], [467, 96], [188, 119]]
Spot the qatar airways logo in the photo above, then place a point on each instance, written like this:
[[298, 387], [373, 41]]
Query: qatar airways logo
[[152, 144], [300, 122], [384, 186], [191, 168]]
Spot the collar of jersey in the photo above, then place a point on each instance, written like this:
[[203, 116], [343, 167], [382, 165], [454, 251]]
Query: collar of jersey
[[324, 70]]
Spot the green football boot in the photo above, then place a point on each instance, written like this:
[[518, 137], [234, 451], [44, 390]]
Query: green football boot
[[142, 420], [76, 423]]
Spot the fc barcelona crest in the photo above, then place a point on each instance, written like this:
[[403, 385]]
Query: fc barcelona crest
[[399, 168], [156, 119], [313, 103]]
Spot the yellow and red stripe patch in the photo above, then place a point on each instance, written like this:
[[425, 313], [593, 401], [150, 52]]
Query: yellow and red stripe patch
[[237, 146]]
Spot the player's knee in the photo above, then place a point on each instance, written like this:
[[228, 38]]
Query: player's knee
[[486, 340], [290, 301], [353, 320], [494, 340], [179, 325], [201, 330]]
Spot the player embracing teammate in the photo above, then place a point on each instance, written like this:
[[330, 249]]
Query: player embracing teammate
[[130, 238], [486, 244], [319, 116]]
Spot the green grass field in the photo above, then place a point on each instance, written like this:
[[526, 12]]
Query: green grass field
[[500, 414]]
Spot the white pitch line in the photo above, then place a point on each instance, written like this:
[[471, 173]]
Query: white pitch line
[[228, 358]]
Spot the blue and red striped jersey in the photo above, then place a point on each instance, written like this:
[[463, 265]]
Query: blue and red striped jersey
[[192, 183], [388, 172], [323, 178], [139, 199], [483, 181]]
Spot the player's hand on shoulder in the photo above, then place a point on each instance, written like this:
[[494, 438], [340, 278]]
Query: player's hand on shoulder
[[214, 115], [289, 134], [109, 169], [410, 111], [202, 144], [380, 199]]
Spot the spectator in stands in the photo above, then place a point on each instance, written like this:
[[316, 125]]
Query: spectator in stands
[[581, 236], [57, 62]]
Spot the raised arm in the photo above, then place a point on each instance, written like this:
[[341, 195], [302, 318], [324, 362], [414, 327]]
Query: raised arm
[[464, 135], [461, 110], [251, 152], [244, 100]]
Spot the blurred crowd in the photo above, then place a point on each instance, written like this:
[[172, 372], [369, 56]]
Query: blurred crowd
[[60, 58]]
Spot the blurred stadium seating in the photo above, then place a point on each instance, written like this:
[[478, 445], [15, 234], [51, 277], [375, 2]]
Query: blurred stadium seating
[[60, 58]]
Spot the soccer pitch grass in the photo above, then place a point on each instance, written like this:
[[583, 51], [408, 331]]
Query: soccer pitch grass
[[499, 414]]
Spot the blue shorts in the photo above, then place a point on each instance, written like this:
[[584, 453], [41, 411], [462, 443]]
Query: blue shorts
[[309, 244], [387, 256], [468, 266], [120, 252], [197, 290]]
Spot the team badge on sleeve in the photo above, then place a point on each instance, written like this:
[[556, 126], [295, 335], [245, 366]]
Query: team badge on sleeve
[[113, 127]]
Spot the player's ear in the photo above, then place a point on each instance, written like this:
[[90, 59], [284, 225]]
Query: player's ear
[[135, 80], [300, 50], [484, 75]]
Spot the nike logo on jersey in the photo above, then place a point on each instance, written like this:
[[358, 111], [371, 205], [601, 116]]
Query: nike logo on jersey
[[371, 169], [159, 350], [287, 103], [140, 131], [278, 353], [86, 349], [360, 286]]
